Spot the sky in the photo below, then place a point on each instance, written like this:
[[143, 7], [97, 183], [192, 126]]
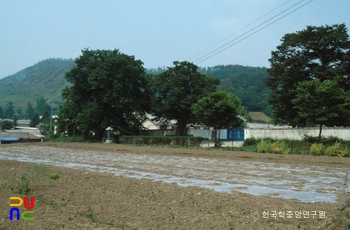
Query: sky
[[157, 32]]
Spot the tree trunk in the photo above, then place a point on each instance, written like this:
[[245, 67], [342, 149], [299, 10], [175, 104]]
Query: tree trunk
[[181, 128], [320, 133], [99, 134]]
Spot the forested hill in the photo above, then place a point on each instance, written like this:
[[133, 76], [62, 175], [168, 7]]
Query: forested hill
[[46, 78], [245, 82]]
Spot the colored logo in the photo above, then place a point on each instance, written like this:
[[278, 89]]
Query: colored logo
[[25, 215]]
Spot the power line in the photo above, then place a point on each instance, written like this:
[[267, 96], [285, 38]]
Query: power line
[[238, 30], [228, 44]]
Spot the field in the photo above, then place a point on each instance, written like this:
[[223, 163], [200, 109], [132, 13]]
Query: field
[[259, 116], [102, 186]]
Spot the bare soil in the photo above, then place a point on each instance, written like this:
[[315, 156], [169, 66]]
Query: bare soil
[[83, 199]]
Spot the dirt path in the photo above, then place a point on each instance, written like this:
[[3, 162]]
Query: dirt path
[[170, 188]]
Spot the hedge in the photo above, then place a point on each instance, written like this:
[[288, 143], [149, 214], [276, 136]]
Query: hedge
[[161, 140]]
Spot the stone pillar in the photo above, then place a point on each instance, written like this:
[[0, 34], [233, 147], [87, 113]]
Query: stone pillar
[[109, 130]]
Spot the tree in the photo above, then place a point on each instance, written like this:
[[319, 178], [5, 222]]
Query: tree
[[30, 111], [220, 110], [19, 113], [15, 119], [35, 120], [325, 103], [10, 110], [108, 88], [6, 124], [314, 53], [42, 107], [2, 113], [176, 90]]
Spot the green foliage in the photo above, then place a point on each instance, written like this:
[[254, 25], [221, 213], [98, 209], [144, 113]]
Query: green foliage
[[46, 78], [161, 140], [317, 149], [30, 111], [44, 128], [54, 176], [280, 147], [314, 53], [108, 88], [251, 141], [270, 146], [15, 119], [6, 124], [23, 184], [35, 120], [336, 150], [10, 111], [20, 113], [245, 82], [2, 113], [176, 90], [220, 110], [324, 140], [264, 146], [42, 107], [323, 103]]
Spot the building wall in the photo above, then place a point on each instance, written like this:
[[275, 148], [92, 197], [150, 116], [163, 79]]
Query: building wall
[[298, 133]]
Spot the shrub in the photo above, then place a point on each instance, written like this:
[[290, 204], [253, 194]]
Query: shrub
[[6, 124], [53, 176], [251, 141], [161, 140], [324, 140], [280, 147], [317, 149], [264, 146], [336, 150]]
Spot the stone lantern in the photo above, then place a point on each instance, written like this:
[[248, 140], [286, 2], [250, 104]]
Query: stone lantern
[[109, 130]]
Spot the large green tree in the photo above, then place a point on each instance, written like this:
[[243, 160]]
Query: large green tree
[[108, 88], [220, 110], [324, 103], [2, 113], [30, 111], [10, 110], [42, 107], [176, 90], [314, 53]]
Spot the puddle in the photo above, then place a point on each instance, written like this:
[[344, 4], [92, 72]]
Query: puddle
[[309, 184]]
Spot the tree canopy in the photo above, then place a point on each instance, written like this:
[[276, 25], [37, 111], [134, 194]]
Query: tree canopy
[[323, 103], [30, 111], [2, 113], [176, 90], [42, 107], [10, 110], [108, 88], [321, 53], [220, 109]]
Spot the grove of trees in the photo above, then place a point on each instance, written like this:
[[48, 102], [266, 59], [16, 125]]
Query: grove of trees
[[309, 77], [176, 90], [112, 89]]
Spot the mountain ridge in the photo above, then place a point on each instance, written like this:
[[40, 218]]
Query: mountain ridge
[[47, 79]]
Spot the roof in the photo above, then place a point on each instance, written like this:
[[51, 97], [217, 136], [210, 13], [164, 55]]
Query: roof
[[9, 138], [21, 135]]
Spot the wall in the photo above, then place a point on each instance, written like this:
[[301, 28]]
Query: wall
[[298, 133]]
